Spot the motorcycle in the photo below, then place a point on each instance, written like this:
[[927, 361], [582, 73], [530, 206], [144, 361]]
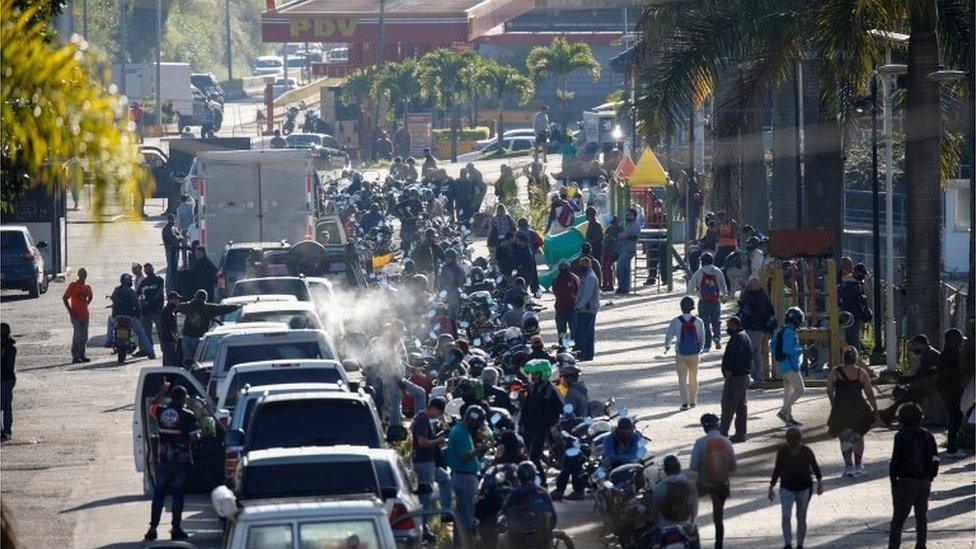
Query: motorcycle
[[289, 125], [123, 340]]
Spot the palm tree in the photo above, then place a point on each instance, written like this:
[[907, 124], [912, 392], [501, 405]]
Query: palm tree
[[500, 81], [558, 60], [359, 88], [443, 73], [401, 82]]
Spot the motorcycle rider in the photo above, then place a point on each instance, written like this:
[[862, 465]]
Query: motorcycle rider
[[150, 293], [675, 501], [540, 411], [278, 142], [621, 445], [537, 349], [451, 280], [125, 303], [491, 492], [575, 395], [169, 331], [529, 511], [427, 254]]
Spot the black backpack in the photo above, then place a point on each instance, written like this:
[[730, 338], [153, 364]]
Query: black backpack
[[677, 502], [778, 353]]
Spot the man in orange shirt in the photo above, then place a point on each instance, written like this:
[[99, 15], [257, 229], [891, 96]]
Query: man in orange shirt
[[76, 299]]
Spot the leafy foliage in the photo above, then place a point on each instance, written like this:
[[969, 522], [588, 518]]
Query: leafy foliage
[[401, 82], [560, 58], [58, 115]]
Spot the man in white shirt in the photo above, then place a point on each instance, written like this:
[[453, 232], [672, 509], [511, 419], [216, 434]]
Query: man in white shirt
[[709, 283], [690, 332]]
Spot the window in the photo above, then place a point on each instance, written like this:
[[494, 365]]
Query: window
[[308, 479], [314, 422], [521, 144], [272, 536], [12, 240], [964, 199], [277, 376], [296, 350], [296, 320], [358, 534]]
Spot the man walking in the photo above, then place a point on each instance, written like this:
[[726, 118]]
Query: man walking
[[540, 412], [626, 250], [709, 283], [565, 287], [171, 244], [713, 458], [169, 331], [8, 378], [914, 465], [150, 292], [758, 320], [690, 332], [425, 449], [587, 305], [178, 428], [76, 298], [786, 352], [736, 364], [125, 303]]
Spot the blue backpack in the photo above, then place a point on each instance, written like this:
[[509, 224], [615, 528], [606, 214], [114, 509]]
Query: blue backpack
[[688, 341]]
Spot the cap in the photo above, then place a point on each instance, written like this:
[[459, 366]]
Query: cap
[[174, 294]]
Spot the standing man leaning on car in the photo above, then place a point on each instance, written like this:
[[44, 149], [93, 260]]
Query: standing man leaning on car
[[199, 314]]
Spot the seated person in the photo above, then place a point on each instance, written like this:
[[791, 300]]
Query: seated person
[[620, 446], [529, 511], [920, 383]]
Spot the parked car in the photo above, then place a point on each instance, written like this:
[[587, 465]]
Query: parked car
[[270, 372], [399, 494], [286, 285], [514, 144], [482, 143], [313, 471], [268, 65], [21, 262], [294, 314], [207, 83], [238, 258], [281, 85], [292, 345], [207, 349], [332, 154]]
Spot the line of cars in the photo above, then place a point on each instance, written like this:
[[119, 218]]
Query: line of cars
[[292, 449]]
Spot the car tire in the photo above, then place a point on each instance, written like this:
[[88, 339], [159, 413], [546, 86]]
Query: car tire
[[45, 285], [34, 290]]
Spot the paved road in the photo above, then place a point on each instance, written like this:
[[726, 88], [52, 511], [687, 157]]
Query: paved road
[[68, 476]]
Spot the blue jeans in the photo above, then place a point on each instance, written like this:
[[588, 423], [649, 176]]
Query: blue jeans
[[427, 473], [564, 321], [169, 477], [393, 394], [465, 487], [711, 315], [7, 405], [188, 347], [570, 470], [145, 345], [172, 263], [623, 271], [584, 333]]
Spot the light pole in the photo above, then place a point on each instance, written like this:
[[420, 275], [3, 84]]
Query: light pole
[[379, 65], [876, 221], [84, 18], [230, 68], [159, 65], [122, 16], [891, 347]]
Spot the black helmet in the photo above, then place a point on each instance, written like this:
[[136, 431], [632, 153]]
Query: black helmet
[[530, 324], [752, 242], [526, 472], [477, 274], [565, 360], [409, 267], [125, 279], [481, 261], [512, 442], [474, 413], [570, 371], [794, 316]]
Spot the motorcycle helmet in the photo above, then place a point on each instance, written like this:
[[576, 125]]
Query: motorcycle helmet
[[481, 262], [482, 297], [409, 267], [125, 279], [530, 324], [477, 274], [565, 360], [526, 472], [470, 389], [476, 365], [540, 366], [475, 413], [514, 446], [752, 243], [571, 371], [794, 316]]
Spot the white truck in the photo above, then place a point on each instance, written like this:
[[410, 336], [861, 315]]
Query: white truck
[[255, 196], [140, 84]]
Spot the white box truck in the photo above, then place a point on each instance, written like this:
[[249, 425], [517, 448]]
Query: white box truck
[[140, 84], [255, 196]]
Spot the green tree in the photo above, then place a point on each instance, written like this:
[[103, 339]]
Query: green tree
[[359, 88], [444, 73], [501, 81], [58, 117], [558, 60], [401, 82]]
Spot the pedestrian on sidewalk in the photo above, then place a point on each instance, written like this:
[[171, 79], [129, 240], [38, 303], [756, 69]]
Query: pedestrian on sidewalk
[[794, 464], [786, 352], [150, 291], [626, 250], [76, 298], [759, 321], [8, 378], [609, 253], [169, 331], [587, 305], [849, 389], [713, 458], [952, 379], [690, 332], [565, 287], [709, 283], [587, 252], [736, 364], [594, 232], [914, 465], [171, 245]]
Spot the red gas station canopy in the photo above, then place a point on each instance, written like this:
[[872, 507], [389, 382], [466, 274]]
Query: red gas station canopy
[[408, 21]]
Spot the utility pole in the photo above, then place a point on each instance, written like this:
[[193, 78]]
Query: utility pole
[[159, 65], [122, 45], [691, 177], [230, 58], [798, 128], [379, 64], [876, 354]]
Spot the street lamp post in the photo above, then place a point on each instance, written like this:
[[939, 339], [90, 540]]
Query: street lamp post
[[230, 67], [876, 221], [159, 64]]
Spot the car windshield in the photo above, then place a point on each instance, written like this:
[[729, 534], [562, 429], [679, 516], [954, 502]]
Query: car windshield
[[283, 286], [208, 347], [203, 81], [296, 320], [277, 376], [313, 422], [304, 140], [236, 260], [295, 480], [268, 63], [330, 142], [12, 241], [359, 534], [293, 350]]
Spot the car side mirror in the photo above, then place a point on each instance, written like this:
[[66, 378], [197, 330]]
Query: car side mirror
[[234, 438], [41, 244], [396, 434]]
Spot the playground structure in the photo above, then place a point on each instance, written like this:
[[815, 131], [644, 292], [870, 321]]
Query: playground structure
[[803, 274]]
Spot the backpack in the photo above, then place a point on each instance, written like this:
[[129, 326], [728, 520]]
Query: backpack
[[716, 465], [688, 342], [708, 288], [676, 506], [778, 352], [566, 215]]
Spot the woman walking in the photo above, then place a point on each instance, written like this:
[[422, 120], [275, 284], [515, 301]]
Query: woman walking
[[850, 392], [794, 463]]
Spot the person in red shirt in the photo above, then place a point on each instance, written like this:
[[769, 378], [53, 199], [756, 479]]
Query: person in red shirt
[[565, 287], [76, 299]]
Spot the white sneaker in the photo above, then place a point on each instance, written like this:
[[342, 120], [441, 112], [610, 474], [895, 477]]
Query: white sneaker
[[848, 470], [859, 469]]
